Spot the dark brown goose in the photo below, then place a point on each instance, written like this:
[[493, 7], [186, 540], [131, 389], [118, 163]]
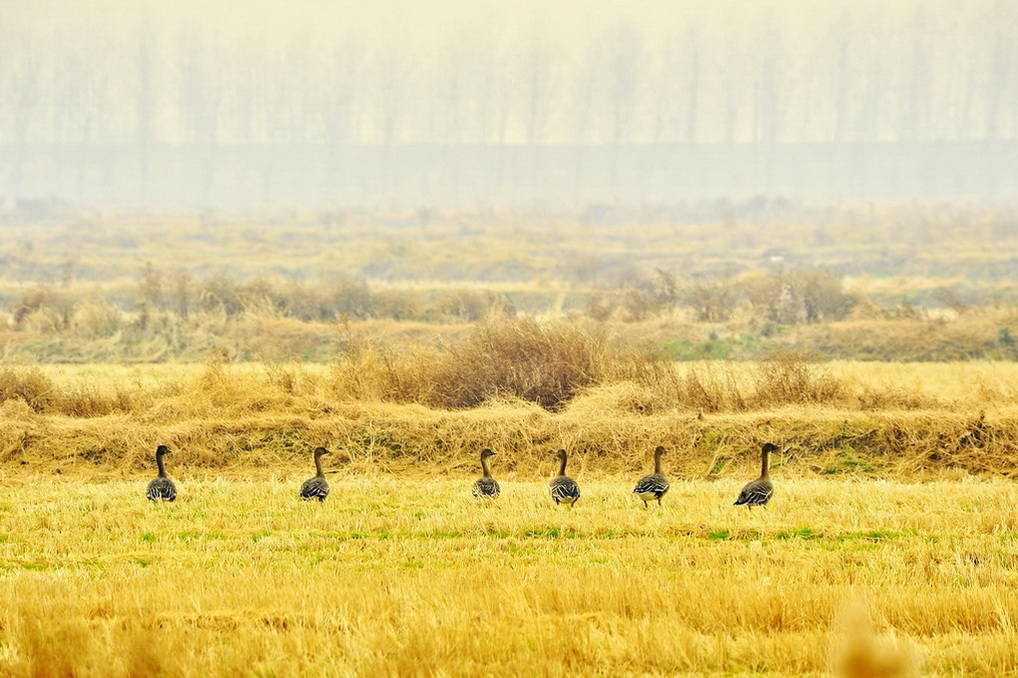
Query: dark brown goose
[[317, 487], [486, 486], [655, 485], [564, 489], [758, 492], [161, 487]]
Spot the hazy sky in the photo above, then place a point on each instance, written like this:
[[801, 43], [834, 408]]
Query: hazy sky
[[491, 71], [132, 75], [433, 21]]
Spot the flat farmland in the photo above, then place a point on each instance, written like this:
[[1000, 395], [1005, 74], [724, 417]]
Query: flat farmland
[[412, 576]]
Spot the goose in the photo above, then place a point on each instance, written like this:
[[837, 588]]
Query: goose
[[161, 487], [486, 486], [759, 491], [317, 487], [564, 489], [655, 485]]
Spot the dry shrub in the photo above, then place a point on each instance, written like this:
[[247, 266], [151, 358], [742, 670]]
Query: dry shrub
[[399, 304], [464, 305], [894, 399], [94, 403], [545, 363], [551, 363], [38, 391], [601, 305], [794, 378], [713, 300], [624, 397], [797, 296], [29, 385], [284, 377], [19, 428], [376, 375], [43, 309], [711, 387], [96, 318]]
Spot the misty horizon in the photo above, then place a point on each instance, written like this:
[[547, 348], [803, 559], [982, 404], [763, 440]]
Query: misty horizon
[[93, 89]]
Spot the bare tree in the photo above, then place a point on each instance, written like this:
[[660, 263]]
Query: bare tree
[[536, 91], [200, 66], [914, 80], [692, 60], [22, 66], [390, 93], [1003, 71], [625, 59], [144, 105]]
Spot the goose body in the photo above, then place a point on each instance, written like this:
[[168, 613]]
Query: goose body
[[161, 487], [564, 489], [316, 487], [758, 492], [486, 486], [655, 485]]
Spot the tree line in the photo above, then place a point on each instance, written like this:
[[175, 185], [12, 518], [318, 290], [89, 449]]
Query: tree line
[[865, 75]]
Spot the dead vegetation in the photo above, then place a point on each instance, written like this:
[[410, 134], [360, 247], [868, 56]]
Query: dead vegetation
[[880, 282], [434, 407]]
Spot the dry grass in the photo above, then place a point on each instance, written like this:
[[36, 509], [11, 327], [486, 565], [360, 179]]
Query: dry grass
[[913, 420], [398, 576]]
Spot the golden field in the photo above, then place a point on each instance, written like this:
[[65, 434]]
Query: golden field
[[408, 575], [890, 548]]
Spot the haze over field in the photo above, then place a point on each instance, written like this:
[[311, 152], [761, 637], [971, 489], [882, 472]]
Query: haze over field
[[213, 104]]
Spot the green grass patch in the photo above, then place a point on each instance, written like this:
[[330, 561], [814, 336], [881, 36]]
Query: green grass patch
[[871, 535], [849, 460], [697, 350]]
